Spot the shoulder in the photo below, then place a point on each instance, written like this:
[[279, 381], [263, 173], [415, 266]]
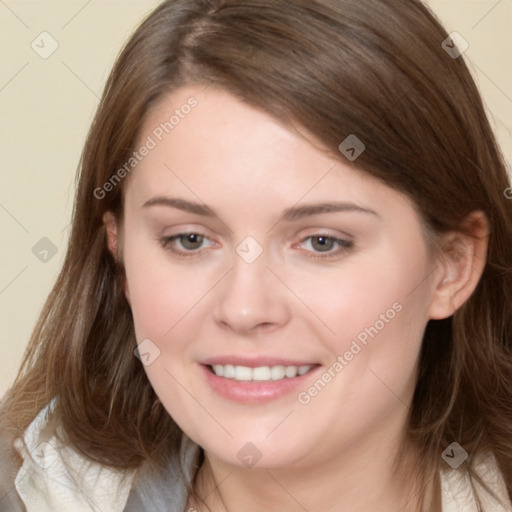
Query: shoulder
[[54, 477], [458, 493]]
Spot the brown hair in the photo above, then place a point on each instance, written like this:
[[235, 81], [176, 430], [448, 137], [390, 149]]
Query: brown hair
[[372, 68]]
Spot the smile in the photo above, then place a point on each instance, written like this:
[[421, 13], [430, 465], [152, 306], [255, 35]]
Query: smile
[[258, 383]]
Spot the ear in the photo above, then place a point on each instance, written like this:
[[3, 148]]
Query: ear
[[112, 230], [460, 265], [111, 227]]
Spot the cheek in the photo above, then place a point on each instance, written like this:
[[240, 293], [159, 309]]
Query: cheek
[[164, 301], [161, 294], [378, 314], [381, 291], [373, 353]]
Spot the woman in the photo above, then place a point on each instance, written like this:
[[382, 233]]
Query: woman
[[288, 279]]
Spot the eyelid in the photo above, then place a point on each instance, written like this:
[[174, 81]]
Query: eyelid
[[315, 232]]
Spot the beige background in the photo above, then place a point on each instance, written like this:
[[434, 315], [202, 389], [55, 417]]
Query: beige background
[[47, 106]]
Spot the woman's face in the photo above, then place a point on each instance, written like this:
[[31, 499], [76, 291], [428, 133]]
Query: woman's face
[[247, 249]]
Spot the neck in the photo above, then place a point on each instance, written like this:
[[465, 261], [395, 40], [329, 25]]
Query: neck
[[357, 479]]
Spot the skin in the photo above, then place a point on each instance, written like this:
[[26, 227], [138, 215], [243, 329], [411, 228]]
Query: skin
[[336, 450]]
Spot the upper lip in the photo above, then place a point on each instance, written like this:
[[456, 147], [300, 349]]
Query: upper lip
[[254, 362]]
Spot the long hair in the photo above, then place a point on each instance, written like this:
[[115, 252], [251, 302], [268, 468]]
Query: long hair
[[376, 69]]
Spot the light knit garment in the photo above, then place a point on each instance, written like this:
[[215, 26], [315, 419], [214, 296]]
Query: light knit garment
[[54, 478]]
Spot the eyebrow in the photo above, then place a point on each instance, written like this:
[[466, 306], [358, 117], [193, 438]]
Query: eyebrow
[[289, 214]]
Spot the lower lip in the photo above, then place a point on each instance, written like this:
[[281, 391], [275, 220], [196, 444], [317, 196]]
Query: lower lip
[[254, 392]]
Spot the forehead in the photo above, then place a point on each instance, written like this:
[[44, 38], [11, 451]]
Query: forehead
[[208, 145]]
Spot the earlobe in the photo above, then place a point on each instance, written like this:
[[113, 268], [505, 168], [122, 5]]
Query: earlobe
[[460, 266]]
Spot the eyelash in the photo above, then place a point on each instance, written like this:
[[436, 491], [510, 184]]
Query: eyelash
[[344, 245]]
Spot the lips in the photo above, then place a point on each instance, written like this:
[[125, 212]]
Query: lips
[[256, 380]]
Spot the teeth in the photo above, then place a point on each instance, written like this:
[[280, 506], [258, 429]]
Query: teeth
[[243, 373], [304, 369], [277, 372], [261, 373], [291, 371], [229, 371]]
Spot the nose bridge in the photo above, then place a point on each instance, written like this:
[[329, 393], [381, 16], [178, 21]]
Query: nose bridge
[[249, 296]]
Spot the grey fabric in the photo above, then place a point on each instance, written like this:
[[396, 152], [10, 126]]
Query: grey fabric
[[166, 492]]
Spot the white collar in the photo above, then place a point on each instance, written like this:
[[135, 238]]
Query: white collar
[[55, 478]]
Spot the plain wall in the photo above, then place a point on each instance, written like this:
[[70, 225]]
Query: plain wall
[[47, 106]]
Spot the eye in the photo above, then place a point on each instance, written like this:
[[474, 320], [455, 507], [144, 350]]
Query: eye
[[325, 244], [184, 244], [320, 245]]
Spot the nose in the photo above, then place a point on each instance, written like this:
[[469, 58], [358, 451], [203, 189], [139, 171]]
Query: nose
[[251, 299]]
